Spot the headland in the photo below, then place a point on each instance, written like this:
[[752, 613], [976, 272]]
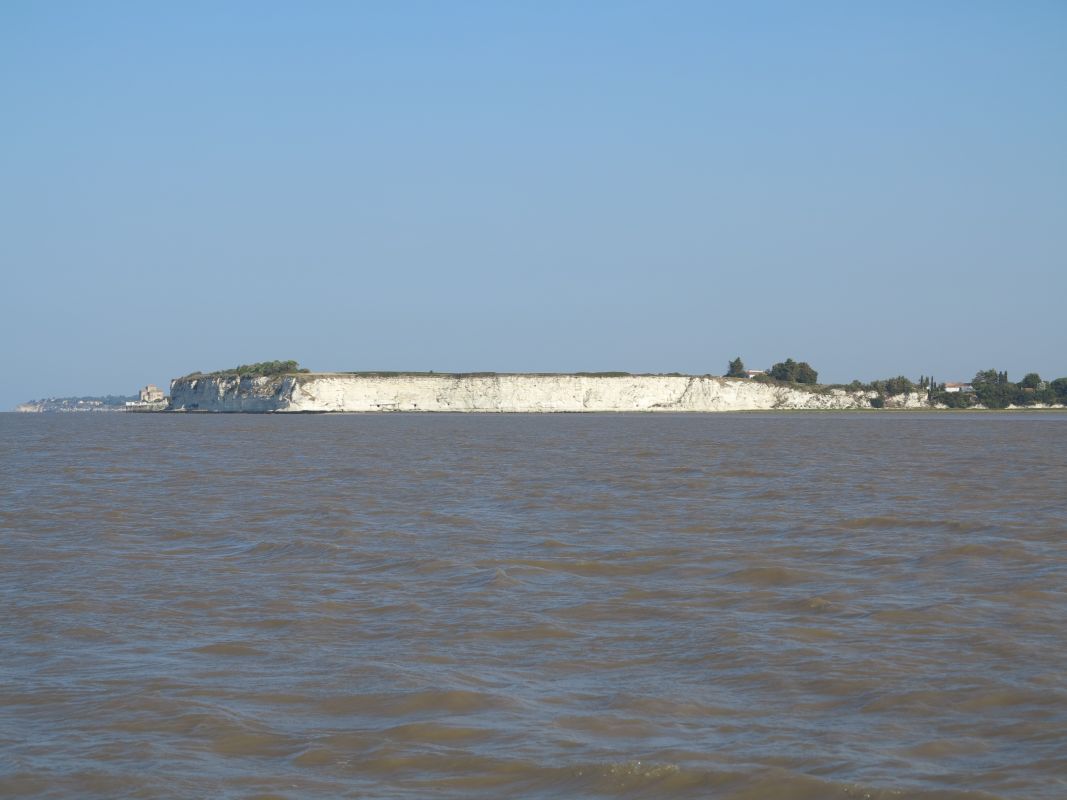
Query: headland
[[284, 387], [502, 393]]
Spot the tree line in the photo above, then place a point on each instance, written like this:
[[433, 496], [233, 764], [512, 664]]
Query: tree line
[[260, 369], [991, 388], [789, 371]]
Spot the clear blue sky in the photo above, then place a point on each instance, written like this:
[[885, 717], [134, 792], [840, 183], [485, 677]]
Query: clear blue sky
[[546, 186]]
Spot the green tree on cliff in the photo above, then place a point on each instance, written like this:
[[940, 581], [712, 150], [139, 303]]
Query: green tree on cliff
[[737, 369], [805, 373], [993, 389], [262, 368], [897, 385], [790, 370]]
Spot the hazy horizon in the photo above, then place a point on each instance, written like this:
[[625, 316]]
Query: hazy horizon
[[476, 187], [445, 373]]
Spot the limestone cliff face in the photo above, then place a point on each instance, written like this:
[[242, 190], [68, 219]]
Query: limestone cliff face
[[910, 400], [230, 393], [505, 393]]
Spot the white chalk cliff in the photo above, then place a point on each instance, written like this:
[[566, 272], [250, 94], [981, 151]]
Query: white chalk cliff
[[318, 392]]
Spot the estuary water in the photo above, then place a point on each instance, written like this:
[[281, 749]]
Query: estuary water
[[866, 605]]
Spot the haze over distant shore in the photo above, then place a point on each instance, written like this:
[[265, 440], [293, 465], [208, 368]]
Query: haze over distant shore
[[286, 387]]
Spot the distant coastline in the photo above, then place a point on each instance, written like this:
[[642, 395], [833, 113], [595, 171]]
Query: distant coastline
[[100, 404], [285, 387]]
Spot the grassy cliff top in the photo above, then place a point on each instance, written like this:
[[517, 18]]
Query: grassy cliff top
[[262, 369]]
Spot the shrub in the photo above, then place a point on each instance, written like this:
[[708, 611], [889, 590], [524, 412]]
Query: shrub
[[952, 399], [736, 369], [262, 369], [793, 372], [1059, 389]]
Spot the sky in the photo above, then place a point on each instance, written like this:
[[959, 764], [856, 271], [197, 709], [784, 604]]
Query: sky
[[875, 188]]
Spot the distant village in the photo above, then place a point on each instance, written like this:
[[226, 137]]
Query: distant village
[[150, 398]]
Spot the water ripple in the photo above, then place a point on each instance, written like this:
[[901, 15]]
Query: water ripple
[[726, 606]]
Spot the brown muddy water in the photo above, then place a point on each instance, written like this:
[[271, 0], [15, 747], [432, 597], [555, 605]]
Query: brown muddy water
[[490, 606]]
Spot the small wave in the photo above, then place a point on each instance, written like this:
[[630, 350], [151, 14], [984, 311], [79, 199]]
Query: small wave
[[891, 521], [819, 604], [683, 470], [978, 550], [474, 777], [89, 633], [228, 649], [771, 576], [433, 733], [315, 757], [525, 633], [471, 776], [810, 634], [250, 743], [589, 568], [494, 578], [947, 748], [860, 523], [297, 548], [445, 701], [743, 473], [609, 726], [665, 706]]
